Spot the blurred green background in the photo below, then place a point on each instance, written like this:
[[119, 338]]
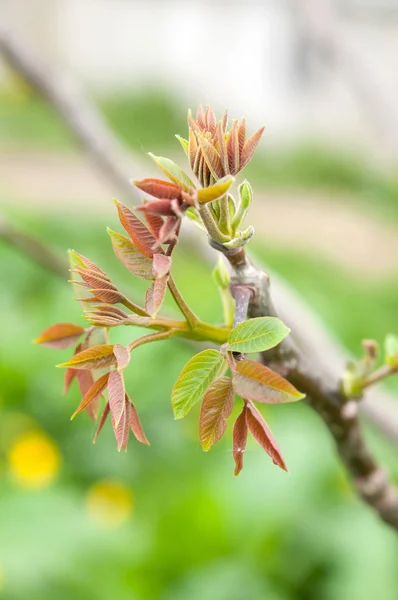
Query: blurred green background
[[170, 522]]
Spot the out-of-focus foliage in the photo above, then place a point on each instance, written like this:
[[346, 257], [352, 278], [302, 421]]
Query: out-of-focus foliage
[[171, 523]]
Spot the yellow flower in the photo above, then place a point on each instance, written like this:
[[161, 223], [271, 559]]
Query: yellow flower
[[110, 503], [34, 460]]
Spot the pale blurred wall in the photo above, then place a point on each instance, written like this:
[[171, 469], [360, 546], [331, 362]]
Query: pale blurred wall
[[252, 56]]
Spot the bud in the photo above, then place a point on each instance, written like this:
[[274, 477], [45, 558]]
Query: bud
[[221, 275], [245, 194]]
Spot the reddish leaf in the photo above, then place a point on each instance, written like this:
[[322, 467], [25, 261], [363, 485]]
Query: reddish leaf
[[216, 407], [200, 117], [211, 157], [154, 223], [116, 395], [135, 424], [259, 383], [137, 230], [167, 232], [132, 259], [210, 120], [161, 265], [98, 357], [82, 261], [94, 392], [121, 429], [233, 149], [160, 208], [250, 146], [155, 295], [70, 375], [60, 336], [222, 147], [263, 435], [241, 136], [108, 296], [85, 380], [95, 281], [102, 421], [159, 188], [192, 148], [122, 356], [239, 438]]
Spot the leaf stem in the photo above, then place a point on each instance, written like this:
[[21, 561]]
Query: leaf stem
[[152, 337], [190, 316], [225, 218], [211, 225], [203, 332], [378, 375]]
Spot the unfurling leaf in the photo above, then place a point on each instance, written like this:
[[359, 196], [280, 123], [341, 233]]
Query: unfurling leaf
[[102, 421], [60, 336], [92, 393], [216, 407], [85, 380], [245, 194], [121, 428], [122, 356], [161, 265], [221, 275], [194, 380], [255, 381], [239, 439], [142, 238], [155, 295], [70, 375], [159, 188], [257, 335], [133, 259], [168, 230], [391, 351], [184, 143], [211, 157], [261, 432], [135, 424], [215, 191], [116, 395], [250, 146], [154, 223], [158, 208], [173, 172], [98, 357], [83, 262]]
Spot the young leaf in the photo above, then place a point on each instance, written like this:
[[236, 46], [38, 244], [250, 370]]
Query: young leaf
[[85, 380], [194, 380], [154, 223], [116, 395], [142, 238], [215, 191], [155, 296], [83, 262], [60, 336], [211, 157], [250, 146], [70, 375], [122, 356], [108, 296], [121, 428], [184, 143], [261, 432], [135, 424], [161, 265], [216, 407], [173, 172], [168, 229], [102, 421], [257, 335], [193, 148], [98, 357], [159, 188], [159, 208], [391, 350], [92, 393], [133, 259], [257, 382], [239, 438]]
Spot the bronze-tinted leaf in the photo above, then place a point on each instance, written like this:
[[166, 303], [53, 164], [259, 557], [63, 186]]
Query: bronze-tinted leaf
[[121, 428], [85, 380], [98, 357], [70, 375], [135, 424], [159, 188], [200, 117], [233, 149], [142, 238], [94, 280], [212, 158], [250, 146], [161, 265], [122, 356], [216, 407], [192, 148], [210, 120], [168, 230], [116, 395], [108, 296], [133, 259], [102, 421], [60, 336], [222, 147], [239, 438], [241, 136], [82, 261], [154, 223], [161, 208], [94, 392], [261, 432], [155, 295], [257, 382]]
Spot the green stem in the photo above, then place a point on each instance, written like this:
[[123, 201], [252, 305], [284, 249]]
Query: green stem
[[182, 305], [203, 332], [211, 226], [138, 310], [152, 337], [225, 217]]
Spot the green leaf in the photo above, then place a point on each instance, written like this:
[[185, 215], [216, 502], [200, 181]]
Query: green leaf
[[173, 172], [391, 350], [215, 191], [195, 378], [216, 407], [257, 335], [184, 143], [127, 253], [259, 383]]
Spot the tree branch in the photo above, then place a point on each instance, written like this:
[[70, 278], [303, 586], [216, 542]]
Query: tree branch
[[322, 388]]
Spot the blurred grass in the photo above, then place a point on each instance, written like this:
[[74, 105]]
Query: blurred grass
[[195, 530]]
